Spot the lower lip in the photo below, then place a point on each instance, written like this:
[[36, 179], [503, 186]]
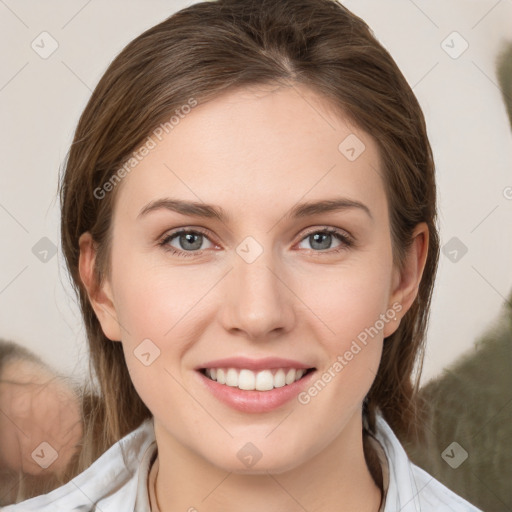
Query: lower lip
[[256, 401]]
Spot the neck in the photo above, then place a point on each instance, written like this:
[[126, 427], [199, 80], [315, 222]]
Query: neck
[[336, 479]]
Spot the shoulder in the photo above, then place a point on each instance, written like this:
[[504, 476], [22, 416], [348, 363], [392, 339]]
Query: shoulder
[[109, 484], [410, 488]]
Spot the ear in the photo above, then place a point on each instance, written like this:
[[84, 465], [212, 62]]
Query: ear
[[100, 296], [406, 283]]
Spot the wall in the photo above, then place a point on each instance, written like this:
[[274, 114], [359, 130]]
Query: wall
[[42, 98]]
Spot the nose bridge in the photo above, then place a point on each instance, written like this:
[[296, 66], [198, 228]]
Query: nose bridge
[[258, 301]]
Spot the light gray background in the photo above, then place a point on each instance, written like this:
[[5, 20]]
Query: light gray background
[[41, 100]]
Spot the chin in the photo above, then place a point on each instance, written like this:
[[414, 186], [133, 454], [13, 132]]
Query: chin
[[250, 461]]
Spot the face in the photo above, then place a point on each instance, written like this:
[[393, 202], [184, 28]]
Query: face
[[250, 272]]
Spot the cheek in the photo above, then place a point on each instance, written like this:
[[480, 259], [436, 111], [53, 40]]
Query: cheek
[[350, 304], [348, 299], [149, 308], [352, 343], [158, 309], [156, 301]]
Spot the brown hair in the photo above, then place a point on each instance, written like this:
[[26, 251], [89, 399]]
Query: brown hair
[[198, 53]]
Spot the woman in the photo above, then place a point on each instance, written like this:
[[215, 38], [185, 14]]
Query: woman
[[249, 218]]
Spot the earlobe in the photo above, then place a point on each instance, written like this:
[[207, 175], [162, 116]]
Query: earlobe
[[406, 283], [100, 294]]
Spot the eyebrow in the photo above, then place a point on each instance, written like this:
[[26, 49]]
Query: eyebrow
[[301, 210]]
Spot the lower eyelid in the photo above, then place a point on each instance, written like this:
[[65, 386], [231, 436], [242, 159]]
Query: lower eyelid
[[165, 241], [345, 241]]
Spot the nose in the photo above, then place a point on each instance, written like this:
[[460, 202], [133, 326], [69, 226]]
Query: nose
[[258, 303]]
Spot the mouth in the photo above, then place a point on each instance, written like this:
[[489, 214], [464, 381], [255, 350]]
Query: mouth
[[262, 380], [260, 390]]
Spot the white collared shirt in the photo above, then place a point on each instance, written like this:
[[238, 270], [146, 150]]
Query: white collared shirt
[[117, 481]]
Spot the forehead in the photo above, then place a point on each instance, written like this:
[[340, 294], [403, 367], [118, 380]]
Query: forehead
[[257, 146]]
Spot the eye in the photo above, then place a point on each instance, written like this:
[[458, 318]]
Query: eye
[[320, 240], [189, 242]]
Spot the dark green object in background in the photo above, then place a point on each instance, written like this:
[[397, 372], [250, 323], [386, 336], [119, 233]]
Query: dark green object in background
[[468, 410]]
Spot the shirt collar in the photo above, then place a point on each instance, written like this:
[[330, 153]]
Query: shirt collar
[[145, 483]]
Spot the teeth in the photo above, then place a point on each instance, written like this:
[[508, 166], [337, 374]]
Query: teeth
[[232, 378], [279, 378], [264, 380], [246, 379], [290, 376]]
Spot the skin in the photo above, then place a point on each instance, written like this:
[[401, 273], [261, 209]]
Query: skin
[[256, 153], [36, 407]]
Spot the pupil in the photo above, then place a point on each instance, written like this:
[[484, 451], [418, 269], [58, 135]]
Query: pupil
[[188, 238], [325, 236]]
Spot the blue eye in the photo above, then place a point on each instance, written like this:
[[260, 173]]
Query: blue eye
[[322, 240], [190, 242]]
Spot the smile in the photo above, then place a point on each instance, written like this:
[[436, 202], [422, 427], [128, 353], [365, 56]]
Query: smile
[[258, 390], [264, 380]]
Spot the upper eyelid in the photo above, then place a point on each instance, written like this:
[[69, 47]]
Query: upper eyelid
[[171, 234], [329, 229], [309, 231]]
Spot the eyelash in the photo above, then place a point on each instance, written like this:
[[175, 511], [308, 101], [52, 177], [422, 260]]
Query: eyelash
[[346, 241]]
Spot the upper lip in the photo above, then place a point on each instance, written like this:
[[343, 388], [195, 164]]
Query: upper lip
[[265, 363]]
